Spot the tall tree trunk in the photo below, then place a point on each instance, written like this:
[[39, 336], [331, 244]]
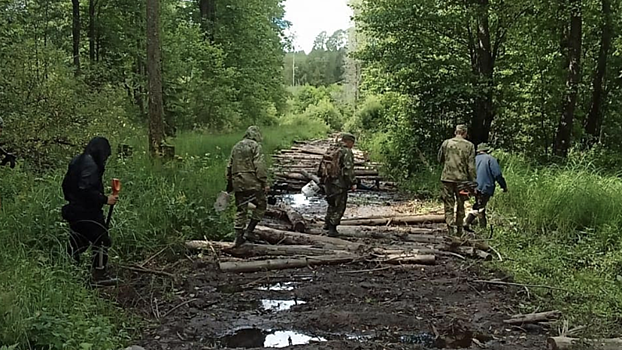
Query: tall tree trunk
[[483, 112], [564, 129], [595, 117], [154, 71], [207, 8], [92, 30], [76, 34]]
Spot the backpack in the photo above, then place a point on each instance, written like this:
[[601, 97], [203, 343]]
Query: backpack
[[329, 166]]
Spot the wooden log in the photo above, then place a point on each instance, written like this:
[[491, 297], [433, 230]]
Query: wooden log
[[294, 238], [252, 250], [421, 259], [565, 343], [397, 220], [534, 318], [403, 236], [282, 264], [299, 224]]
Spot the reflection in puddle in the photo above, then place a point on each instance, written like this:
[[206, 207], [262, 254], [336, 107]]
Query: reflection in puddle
[[280, 305], [278, 287], [256, 338], [299, 200]]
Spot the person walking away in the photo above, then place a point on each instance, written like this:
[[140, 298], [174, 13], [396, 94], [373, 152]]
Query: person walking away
[[458, 158], [84, 190], [336, 174], [488, 175], [247, 177]]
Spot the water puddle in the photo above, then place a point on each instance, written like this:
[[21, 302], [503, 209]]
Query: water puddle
[[277, 287], [299, 200], [257, 338], [280, 305]]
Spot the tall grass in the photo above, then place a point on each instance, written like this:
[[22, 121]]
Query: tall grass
[[44, 300], [560, 226]]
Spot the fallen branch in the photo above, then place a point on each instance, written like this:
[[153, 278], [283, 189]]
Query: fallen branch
[[294, 238], [253, 250], [564, 343], [501, 283], [282, 264], [396, 220], [534, 318], [144, 270], [178, 306]]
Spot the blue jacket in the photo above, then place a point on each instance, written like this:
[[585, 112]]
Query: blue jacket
[[488, 172]]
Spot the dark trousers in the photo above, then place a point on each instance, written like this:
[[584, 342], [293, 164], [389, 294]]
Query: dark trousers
[[479, 208], [88, 229], [337, 199]]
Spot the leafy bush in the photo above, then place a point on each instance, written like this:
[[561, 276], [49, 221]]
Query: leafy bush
[[325, 111]]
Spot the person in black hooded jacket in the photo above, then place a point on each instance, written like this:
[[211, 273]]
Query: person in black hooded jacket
[[84, 190]]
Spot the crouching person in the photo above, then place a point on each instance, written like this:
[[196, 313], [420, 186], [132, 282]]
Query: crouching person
[[488, 175], [247, 177], [84, 190]]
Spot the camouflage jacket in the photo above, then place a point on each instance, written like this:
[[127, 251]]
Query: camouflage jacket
[[247, 169], [458, 158], [346, 161]]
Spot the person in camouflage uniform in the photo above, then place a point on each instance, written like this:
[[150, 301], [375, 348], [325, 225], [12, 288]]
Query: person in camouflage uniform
[[247, 176], [336, 188], [458, 158]]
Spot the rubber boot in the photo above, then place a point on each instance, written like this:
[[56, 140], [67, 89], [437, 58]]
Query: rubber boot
[[249, 234], [332, 231], [483, 221], [239, 238], [469, 220]]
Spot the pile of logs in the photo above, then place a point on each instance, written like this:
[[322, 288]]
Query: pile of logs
[[291, 241], [295, 166], [288, 249]]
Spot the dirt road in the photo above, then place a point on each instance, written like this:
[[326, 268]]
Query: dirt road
[[363, 305]]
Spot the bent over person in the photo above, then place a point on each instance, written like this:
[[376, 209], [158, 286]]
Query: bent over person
[[458, 158], [84, 190], [247, 177], [488, 175], [337, 175]]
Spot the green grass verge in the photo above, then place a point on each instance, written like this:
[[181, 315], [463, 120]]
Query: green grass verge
[[44, 300], [558, 226]]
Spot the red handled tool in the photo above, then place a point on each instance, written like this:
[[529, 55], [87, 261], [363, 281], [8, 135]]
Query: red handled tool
[[116, 188]]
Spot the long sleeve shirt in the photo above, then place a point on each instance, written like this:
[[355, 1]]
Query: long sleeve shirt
[[488, 174]]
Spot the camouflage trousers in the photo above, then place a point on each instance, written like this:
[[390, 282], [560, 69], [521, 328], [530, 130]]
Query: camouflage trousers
[[453, 200], [242, 200], [337, 199]]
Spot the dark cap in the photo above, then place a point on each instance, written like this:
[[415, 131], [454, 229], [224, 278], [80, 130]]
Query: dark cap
[[348, 137]]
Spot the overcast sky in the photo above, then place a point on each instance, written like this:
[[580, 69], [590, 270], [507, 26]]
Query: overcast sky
[[310, 17]]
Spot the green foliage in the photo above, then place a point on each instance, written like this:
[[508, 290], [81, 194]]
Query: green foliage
[[326, 112], [44, 299], [323, 66], [560, 226]]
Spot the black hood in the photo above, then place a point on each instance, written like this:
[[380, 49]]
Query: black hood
[[99, 149]]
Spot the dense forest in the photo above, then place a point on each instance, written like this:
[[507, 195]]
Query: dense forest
[[541, 81], [536, 77]]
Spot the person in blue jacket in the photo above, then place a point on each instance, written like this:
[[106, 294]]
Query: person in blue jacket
[[488, 175]]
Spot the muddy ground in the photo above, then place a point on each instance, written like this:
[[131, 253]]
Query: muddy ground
[[363, 306], [353, 306]]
